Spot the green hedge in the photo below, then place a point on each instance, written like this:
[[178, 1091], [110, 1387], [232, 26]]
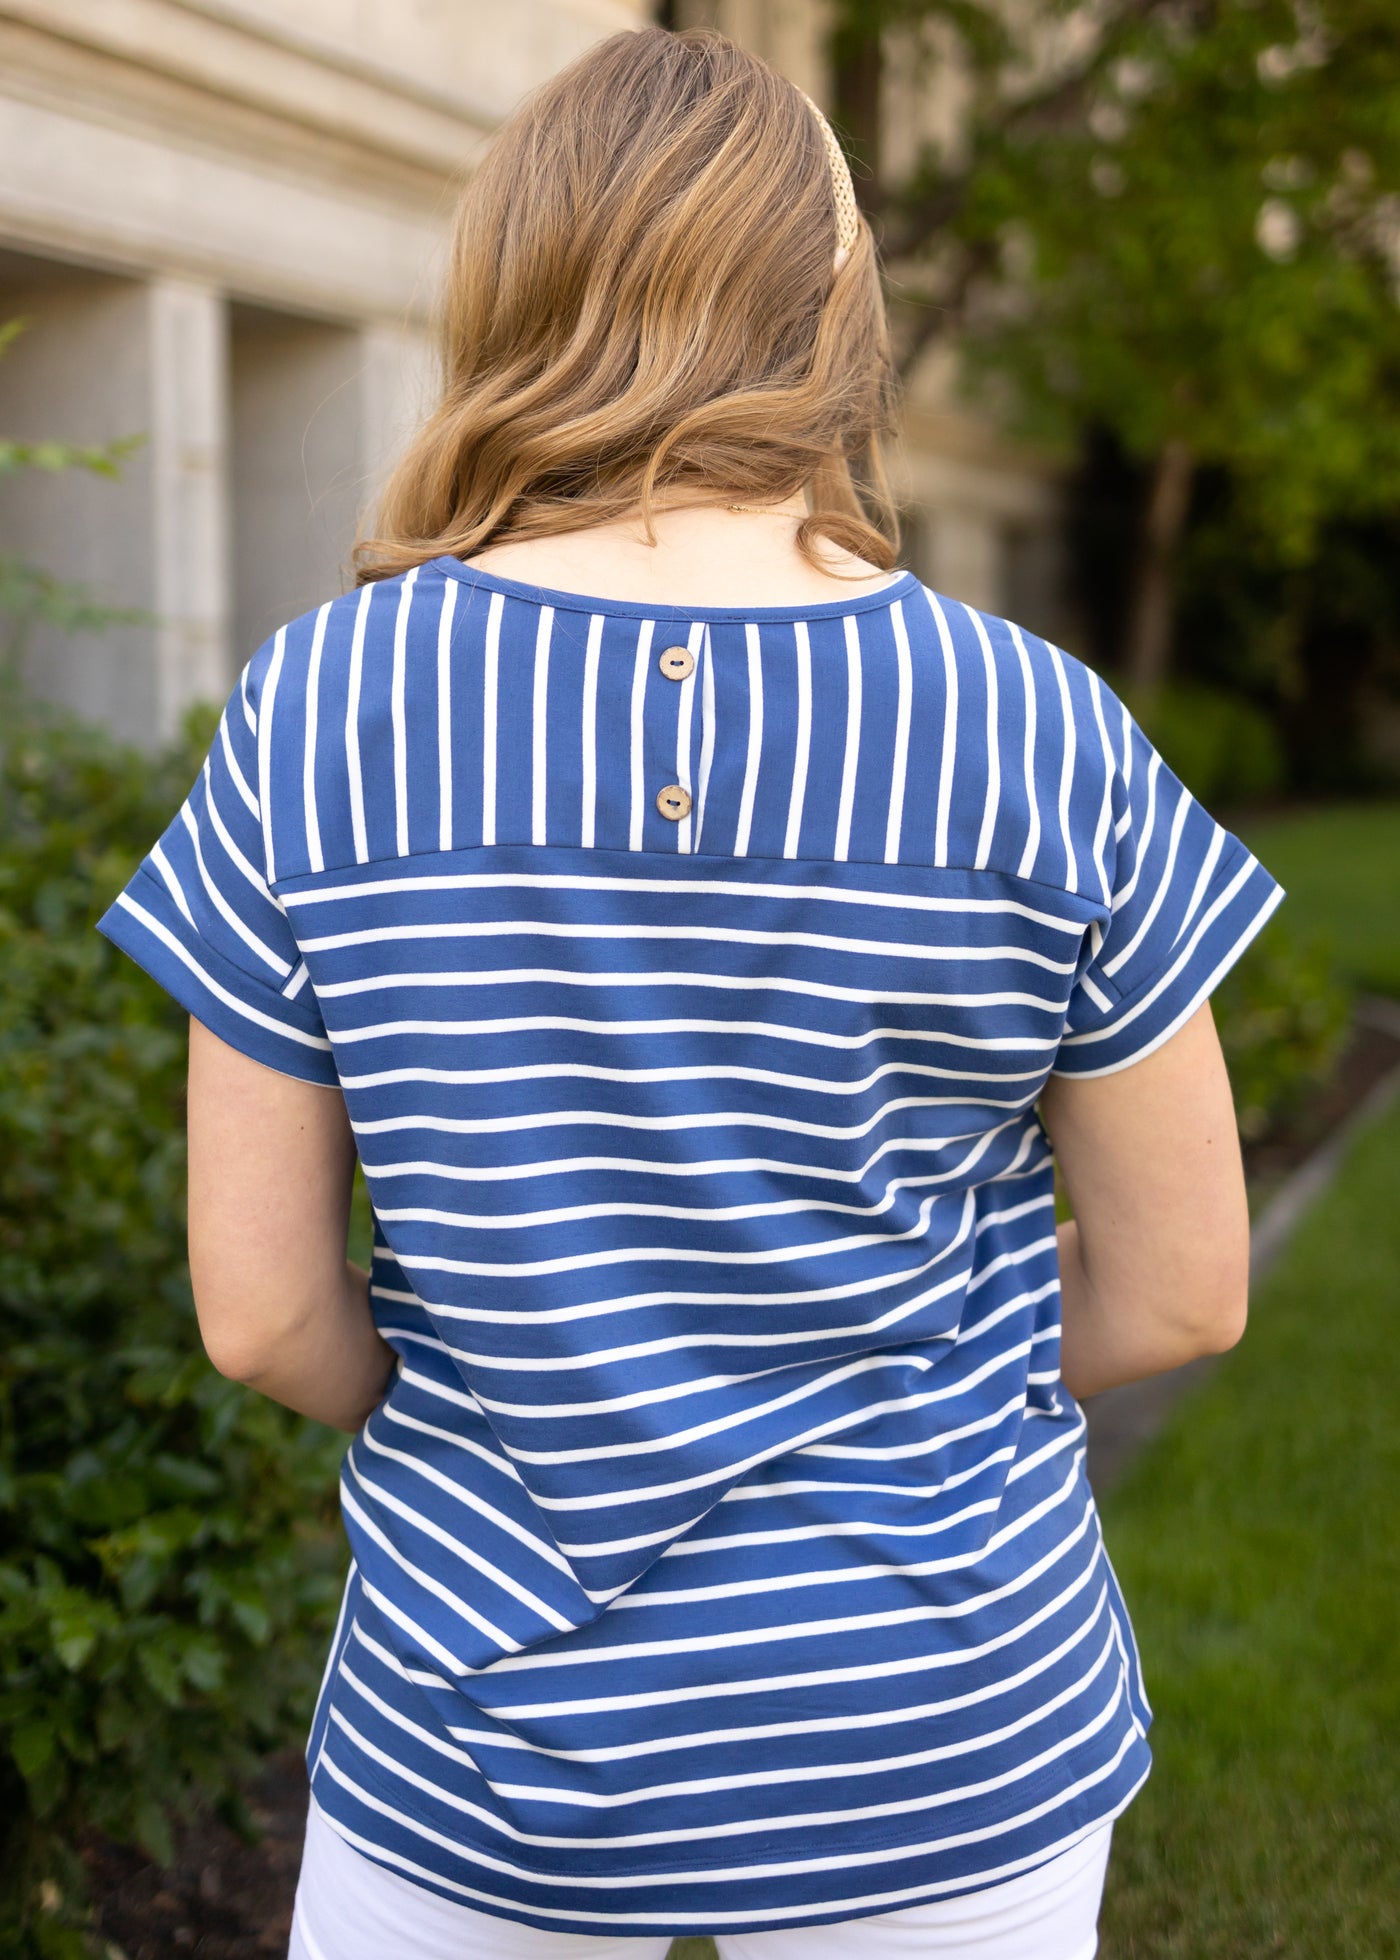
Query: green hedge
[[1223, 747], [1284, 1016], [168, 1553]]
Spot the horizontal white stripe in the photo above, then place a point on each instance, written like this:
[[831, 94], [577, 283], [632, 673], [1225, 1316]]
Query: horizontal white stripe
[[695, 1119], [868, 1574], [778, 1727], [607, 930], [728, 1472], [828, 1532], [771, 1687], [659, 1394], [778, 1208], [780, 983], [829, 1772], [708, 1917], [567, 1071], [690, 1342], [473, 1028], [698, 1341], [703, 1167], [717, 1832], [753, 1779], [598, 1309], [864, 1487], [627, 1255], [687, 887], [613, 1449], [921, 1445]]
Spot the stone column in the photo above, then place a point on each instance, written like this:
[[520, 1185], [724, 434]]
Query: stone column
[[967, 556], [398, 385], [187, 333]]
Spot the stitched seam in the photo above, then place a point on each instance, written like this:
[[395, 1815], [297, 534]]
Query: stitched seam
[[692, 857]]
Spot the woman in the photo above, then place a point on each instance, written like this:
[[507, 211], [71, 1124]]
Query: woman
[[697, 970]]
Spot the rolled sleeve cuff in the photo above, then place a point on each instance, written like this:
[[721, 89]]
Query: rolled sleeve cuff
[[1241, 899], [281, 1033]]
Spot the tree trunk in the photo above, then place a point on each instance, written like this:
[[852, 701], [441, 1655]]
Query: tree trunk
[[1147, 653]]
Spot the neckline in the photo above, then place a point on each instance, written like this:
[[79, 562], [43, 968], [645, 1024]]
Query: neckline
[[544, 595]]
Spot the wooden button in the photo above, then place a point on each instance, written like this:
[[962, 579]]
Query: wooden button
[[677, 663], [673, 801]]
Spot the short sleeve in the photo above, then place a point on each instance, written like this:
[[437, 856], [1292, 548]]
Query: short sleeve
[[1186, 897], [200, 917]]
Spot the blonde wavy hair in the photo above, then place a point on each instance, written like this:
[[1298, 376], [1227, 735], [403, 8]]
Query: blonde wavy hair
[[640, 306]]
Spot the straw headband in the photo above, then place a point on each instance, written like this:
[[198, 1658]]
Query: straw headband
[[842, 189]]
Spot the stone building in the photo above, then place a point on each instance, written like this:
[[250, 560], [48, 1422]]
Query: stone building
[[220, 219]]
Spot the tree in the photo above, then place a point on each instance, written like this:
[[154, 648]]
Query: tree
[[1174, 220]]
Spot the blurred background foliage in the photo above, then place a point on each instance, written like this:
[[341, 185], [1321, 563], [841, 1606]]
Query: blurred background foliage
[[1166, 245], [169, 1549]]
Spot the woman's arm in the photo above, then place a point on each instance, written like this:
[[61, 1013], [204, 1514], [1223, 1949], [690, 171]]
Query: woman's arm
[[1154, 1266], [280, 1307]]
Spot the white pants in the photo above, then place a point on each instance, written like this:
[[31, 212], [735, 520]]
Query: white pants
[[349, 1908]]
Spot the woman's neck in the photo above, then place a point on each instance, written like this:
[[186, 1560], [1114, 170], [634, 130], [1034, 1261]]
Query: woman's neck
[[704, 555]]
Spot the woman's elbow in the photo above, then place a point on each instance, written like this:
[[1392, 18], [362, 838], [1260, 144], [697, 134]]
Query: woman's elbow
[[238, 1354], [242, 1344], [1219, 1310], [1225, 1328]]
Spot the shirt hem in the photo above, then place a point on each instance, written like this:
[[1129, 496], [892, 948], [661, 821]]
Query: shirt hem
[[793, 1917]]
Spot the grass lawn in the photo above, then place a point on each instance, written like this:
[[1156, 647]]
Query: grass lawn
[[1257, 1542], [1341, 867]]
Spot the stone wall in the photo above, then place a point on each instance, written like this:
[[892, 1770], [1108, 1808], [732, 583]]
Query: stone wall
[[221, 219]]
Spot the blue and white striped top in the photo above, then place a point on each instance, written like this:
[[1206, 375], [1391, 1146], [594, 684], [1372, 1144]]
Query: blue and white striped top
[[722, 1551]]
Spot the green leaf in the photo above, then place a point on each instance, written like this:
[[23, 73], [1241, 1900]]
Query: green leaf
[[203, 1664], [75, 1633], [162, 1670], [152, 1830], [251, 1613], [32, 1746]]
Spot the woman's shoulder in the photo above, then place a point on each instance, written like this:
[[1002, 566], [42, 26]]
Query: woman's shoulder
[[1030, 696], [341, 628], [1014, 653]]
